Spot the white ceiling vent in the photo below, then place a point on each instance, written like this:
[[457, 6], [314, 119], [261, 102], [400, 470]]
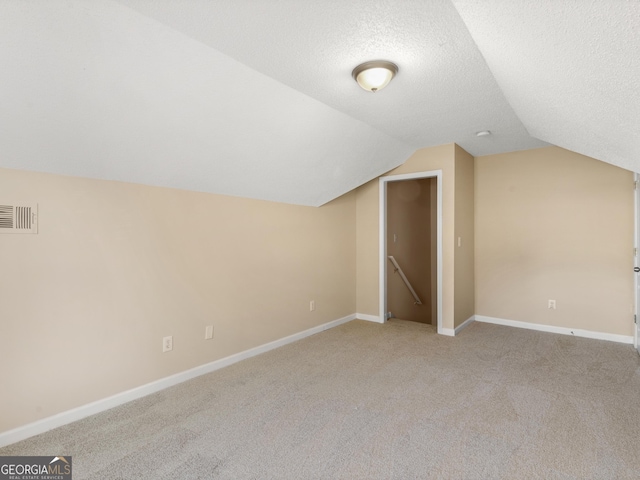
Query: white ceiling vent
[[18, 218]]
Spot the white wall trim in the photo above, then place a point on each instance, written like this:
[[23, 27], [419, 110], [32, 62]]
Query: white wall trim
[[64, 418], [450, 332], [465, 324], [636, 259], [369, 318], [382, 239], [576, 332]]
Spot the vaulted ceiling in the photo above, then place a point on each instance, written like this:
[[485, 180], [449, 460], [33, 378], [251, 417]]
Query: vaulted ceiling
[[255, 98]]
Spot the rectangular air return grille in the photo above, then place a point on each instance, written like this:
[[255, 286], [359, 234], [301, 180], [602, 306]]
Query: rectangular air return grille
[[18, 217]]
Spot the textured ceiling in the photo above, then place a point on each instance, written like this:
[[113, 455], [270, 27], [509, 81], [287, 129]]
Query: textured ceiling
[[443, 93], [254, 98], [96, 90], [569, 68]]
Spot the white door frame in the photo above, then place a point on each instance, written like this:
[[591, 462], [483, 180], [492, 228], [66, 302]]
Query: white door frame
[[636, 261], [383, 238]]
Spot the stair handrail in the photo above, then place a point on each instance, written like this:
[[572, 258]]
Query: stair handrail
[[405, 280]]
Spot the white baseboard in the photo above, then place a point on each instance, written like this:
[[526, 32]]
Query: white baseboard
[[64, 418], [465, 324], [576, 332], [451, 332], [369, 318]]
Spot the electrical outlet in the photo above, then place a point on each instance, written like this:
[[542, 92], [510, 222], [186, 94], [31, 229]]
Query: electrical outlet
[[552, 304], [312, 305], [208, 332], [167, 344]]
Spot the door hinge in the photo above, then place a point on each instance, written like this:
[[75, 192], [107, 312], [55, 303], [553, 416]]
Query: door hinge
[[635, 319], [635, 185], [635, 252]]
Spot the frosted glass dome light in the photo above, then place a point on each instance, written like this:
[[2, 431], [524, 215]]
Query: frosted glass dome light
[[375, 75]]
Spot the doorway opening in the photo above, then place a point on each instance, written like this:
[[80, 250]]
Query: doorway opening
[[411, 233]]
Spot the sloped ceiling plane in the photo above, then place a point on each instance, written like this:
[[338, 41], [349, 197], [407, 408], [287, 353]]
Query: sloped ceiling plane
[[254, 98]]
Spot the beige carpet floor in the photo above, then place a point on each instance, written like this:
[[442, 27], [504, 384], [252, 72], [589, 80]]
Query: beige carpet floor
[[369, 401]]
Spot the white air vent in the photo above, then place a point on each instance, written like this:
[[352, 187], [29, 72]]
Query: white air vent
[[18, 218]]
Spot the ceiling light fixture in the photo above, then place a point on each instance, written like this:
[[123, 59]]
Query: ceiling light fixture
[[375, 75], [483, 133]]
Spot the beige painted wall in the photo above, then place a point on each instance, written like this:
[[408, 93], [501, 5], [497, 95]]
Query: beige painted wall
[[553, 224], [367, 289], [115, 267], [464, 276], [409, 241]]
